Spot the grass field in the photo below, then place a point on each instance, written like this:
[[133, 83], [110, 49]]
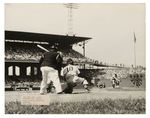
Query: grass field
[[105, 106], [99, 101]]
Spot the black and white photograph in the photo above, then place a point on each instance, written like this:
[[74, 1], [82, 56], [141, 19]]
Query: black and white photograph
[[75, 58]]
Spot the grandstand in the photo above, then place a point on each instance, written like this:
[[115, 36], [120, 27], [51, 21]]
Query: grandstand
[[22, 45], [22, 58], [22, 54]]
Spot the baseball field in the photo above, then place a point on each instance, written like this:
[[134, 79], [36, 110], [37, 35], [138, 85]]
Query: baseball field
[[123, 100]]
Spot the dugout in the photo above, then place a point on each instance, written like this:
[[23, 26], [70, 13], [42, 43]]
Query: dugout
[[22, 71]]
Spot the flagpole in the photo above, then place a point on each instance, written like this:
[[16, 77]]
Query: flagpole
[[135, 52], [134, 55]]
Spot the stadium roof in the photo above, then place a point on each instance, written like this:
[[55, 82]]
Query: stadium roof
[[41, 37]]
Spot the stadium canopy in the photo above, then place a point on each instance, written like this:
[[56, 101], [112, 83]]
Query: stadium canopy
[[41, 37]]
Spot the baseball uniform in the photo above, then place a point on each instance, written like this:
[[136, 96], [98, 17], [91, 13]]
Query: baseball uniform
[[49, 69], [70, 73]]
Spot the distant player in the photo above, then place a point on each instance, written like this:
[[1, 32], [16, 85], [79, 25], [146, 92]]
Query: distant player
[[115, 81], [70, 74], [100, 84]]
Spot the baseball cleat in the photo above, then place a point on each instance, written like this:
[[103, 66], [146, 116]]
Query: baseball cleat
[[87, 90], [42, 93]]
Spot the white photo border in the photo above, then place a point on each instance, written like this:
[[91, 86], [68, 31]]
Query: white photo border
[[2, 23]]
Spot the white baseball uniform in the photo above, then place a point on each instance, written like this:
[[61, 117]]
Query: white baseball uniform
[[70, 72], [50, 74]]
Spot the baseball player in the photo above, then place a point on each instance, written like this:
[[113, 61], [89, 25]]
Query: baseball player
[[100, 84], [115, 81], [70, 74], [50, 65]]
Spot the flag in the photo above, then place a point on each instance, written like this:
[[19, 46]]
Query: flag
[[134, 38]]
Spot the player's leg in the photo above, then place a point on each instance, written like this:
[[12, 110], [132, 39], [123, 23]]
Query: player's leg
[[117, 84], [70, 84], [113, 83], [82, 81], [56, 81], [69, 88], [49, 86], [44, 81]]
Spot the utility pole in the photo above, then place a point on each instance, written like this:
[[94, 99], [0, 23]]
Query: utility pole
[[84, 48]]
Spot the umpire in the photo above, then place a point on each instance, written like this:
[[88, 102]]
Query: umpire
[[50, 64]]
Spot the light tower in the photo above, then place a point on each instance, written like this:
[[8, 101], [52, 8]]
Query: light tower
[[70, 7]]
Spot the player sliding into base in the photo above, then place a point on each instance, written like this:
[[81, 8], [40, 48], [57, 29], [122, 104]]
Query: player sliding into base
[[70, 74]]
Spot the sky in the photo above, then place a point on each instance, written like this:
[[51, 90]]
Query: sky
[[111, 27]]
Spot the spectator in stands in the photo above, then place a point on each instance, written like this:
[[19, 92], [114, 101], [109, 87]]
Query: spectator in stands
[[49, 67]]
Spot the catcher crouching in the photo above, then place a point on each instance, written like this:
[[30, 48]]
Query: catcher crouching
[[70, 74]]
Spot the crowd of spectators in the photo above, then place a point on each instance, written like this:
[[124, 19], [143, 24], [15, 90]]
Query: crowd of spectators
[[122, 73], [74, 55], [24, 51], [30, 52], [22, 81], [21, 51]]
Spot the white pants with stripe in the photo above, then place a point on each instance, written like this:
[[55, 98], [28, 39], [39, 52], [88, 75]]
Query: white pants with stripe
[[50, 74]]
